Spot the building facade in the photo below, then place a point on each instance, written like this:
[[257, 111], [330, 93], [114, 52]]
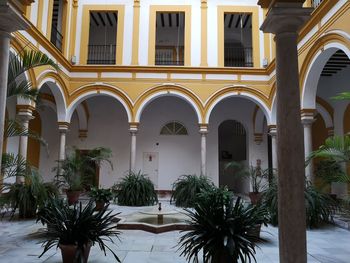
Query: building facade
[[175, 88]]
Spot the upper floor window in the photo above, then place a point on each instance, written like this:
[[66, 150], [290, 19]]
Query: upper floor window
[[56, 37], [173, 128], [238, 49], [102, 37], [170, 34]]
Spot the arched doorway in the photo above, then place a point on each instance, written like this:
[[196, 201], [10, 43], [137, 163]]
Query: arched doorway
[[232, 148]]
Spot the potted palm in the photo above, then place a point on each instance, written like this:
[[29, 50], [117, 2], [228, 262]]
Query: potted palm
[[75, 171], [258, 178], [76, 229], [220, 227], [101, 197]]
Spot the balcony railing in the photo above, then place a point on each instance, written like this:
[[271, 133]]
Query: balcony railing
[[56, 37], [316, 3], [169, 55], [101, 54], [238, 57]]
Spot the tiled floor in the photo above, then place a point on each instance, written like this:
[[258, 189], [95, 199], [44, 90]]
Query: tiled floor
[[19, 244]]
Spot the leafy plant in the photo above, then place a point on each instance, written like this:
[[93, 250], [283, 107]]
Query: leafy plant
[[136, 189], [75, 170], [220, 228], [319, 206], [100, 195], [30, 195], [77, 226], [187, 187], [330, 171]]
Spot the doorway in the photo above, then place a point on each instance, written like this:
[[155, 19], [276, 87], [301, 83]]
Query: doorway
[[150, 167]]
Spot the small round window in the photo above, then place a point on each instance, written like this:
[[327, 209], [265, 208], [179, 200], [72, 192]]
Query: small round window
[[173, 128]]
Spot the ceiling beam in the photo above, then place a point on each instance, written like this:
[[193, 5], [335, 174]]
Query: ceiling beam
[[93, 18], [109, 19], [101, 18]]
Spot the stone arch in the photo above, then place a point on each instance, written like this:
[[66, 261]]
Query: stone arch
[[346, 120], [314, 62], [59, 91], [168, 90], [258, 120], [326, 111], [239, 92], [92, 90]]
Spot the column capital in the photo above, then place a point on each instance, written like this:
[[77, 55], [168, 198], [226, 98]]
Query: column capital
[[134, 127], [63, 126], [136, 3], [285, 17], [330, 131], [203, 128], [11, 18], [204, 3], [272, 130], [307, 116], [83, 134]]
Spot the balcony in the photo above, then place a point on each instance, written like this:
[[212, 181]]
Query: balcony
[[56, 38], [169, 56], [238, 57], [101, 54]]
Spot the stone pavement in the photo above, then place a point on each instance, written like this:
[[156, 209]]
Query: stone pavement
[[19, 243]]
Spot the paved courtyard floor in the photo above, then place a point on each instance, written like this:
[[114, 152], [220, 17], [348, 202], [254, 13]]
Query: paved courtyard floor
[[19, 243]]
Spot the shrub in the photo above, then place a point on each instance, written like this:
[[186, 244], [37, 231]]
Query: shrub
[[220, 228], [187, 187], [100, 195], [136, 190], [319, 206]]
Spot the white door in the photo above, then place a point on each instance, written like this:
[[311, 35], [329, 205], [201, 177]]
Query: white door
[[150, 167]]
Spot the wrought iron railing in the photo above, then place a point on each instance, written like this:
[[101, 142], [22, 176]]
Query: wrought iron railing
[[56, 37], [238, 57], [316, 3], [101, 54], [169, 55]]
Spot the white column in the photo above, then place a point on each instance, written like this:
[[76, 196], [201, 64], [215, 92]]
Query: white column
[[63, 129], [24, 115], [10, 21], [273, 134], [203, 131], [307, 119], [133, 131], [284, 19]]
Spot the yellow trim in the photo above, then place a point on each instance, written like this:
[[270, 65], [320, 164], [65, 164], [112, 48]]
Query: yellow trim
[[49, 20], [254, 10], [136, 33], [204, 33], [39, 21], [152, 30], [33, 151], [86, 28], [28, 11], [73, 29]]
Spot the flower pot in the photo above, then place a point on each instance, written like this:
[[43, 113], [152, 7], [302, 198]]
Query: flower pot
[[69, 253], [254, 197], [100, 205], [255, 231], [72, 197]]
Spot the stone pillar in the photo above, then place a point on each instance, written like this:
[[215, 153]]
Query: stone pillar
[[63, 129], [11, 20], [203, 130], [273, 134], [284, 19], [133, 131], [307, 118], [24, 115]]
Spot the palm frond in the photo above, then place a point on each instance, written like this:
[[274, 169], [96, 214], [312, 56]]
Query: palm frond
[[342, 96], [13, 165], [23, 89]]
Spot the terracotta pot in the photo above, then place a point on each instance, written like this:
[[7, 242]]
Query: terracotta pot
[[99, 205], [254, 197], [73, 197], [255, 231], [69, 253]]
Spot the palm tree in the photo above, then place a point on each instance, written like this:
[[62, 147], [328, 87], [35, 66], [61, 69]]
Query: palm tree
[[19, 86]]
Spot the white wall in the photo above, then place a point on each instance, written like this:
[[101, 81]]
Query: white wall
[[240, 110], [178, 154]]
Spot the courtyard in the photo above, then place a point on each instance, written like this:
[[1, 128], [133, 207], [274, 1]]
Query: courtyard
[[19, 243]]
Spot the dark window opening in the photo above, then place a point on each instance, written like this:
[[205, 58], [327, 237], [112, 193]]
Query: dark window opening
[[102, 46], [238, 49], [170, 34], [56, 25]]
